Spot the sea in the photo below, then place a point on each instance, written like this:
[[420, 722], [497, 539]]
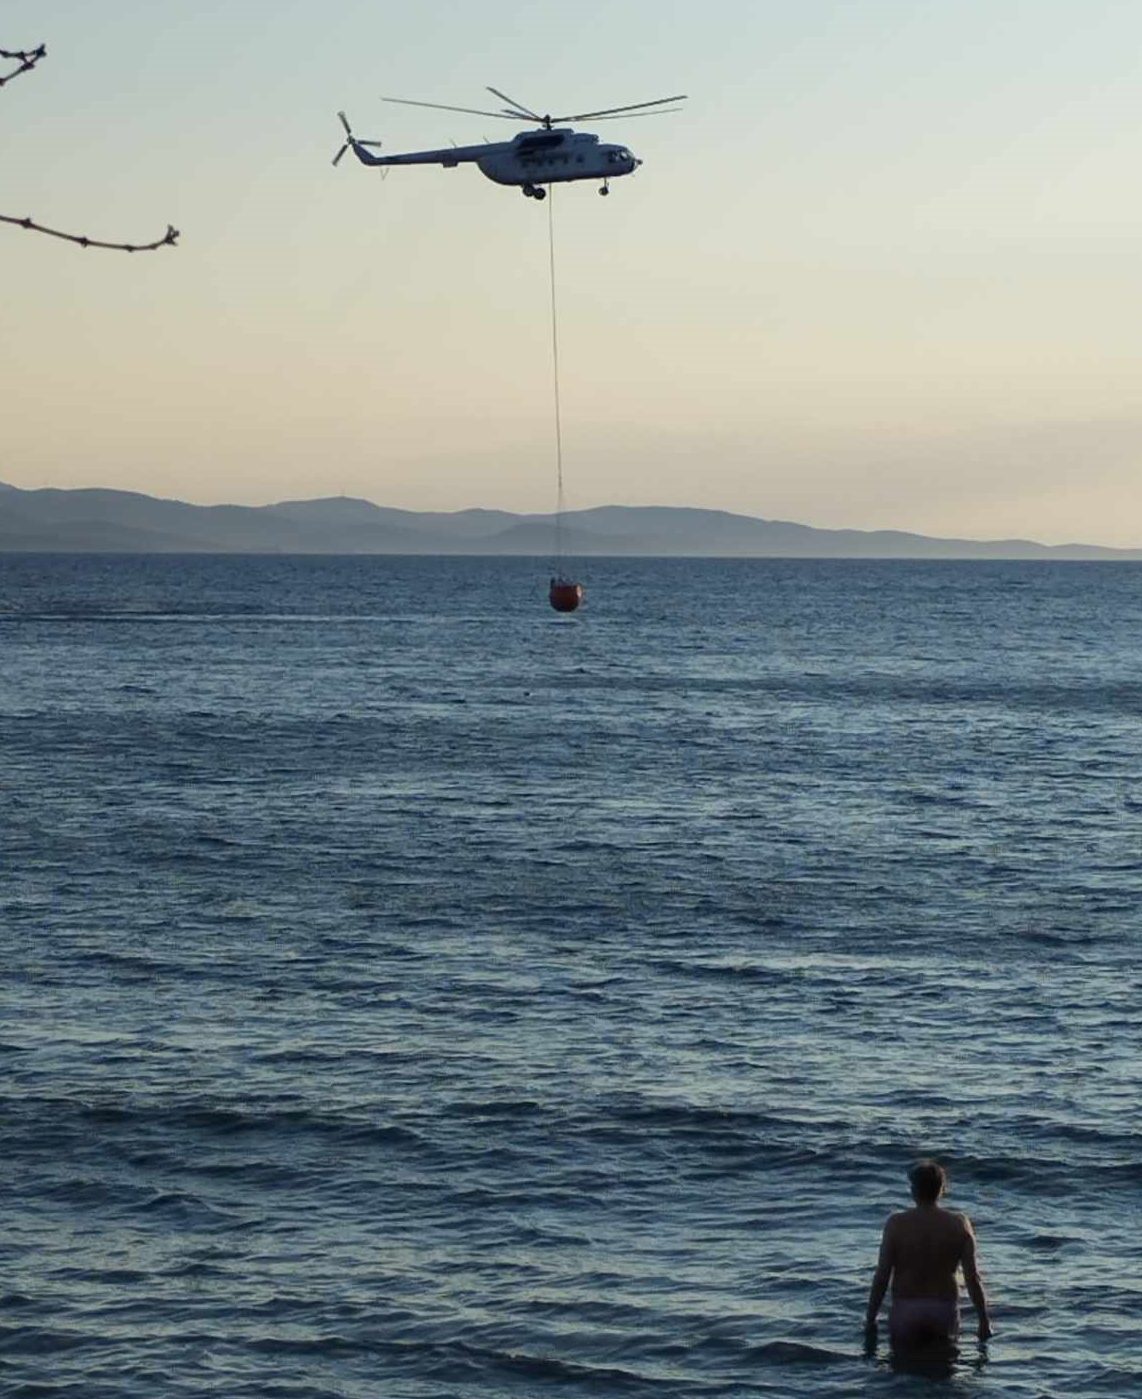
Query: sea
[[411, 992]]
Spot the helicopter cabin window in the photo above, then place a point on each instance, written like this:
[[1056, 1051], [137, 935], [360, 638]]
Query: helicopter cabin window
[[544, 141]]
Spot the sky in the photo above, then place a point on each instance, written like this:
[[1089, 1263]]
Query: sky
[[881, 272]]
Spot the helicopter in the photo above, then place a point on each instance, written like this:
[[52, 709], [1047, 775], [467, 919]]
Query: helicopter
[[553, 154]]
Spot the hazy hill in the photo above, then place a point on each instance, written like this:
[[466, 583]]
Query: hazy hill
[[105, 521]]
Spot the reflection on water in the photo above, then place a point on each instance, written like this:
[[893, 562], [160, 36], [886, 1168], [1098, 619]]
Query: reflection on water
[[936, 1360]]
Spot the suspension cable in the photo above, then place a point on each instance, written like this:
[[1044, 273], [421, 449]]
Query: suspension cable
[[555, 383]]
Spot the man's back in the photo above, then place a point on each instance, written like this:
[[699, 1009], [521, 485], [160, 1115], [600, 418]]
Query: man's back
[[927, 1244]]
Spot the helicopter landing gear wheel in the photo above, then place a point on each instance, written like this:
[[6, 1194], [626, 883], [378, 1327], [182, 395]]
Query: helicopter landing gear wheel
[[604, 189], [539, 192], [528, 191]]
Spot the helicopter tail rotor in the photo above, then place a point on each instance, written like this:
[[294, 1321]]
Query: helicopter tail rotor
[[351, 141]]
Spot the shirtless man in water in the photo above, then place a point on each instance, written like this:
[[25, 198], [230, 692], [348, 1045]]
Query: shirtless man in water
[[920, 1251]]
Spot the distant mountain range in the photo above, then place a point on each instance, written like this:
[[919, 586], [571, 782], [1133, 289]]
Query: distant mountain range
[[125, 522]]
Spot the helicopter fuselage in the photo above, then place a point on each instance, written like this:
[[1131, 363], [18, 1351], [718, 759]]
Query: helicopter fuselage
[[553, 157], [530, 160]]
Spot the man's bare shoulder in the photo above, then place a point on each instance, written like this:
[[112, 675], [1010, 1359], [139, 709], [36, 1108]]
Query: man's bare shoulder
[[899, 1222], [960, 1219]]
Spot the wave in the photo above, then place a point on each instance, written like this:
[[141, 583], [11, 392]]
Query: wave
[[795, 1353]]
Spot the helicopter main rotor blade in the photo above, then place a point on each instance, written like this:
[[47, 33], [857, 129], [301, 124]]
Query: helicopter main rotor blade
[[442, 107], [631, 107], [527, 112], [345, 123], [634, 116], [340, 153]]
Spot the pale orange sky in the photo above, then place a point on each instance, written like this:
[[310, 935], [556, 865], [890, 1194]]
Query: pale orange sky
[[879, 273]]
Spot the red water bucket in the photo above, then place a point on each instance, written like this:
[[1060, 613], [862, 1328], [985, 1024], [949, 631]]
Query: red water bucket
[[565, 596]]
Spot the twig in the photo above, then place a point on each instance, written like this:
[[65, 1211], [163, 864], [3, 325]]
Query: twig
[[25, 58], [169, 239], [28, 58]]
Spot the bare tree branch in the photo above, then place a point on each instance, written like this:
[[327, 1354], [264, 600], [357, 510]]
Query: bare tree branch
[[28, 58], [25, 58], [169, 239]]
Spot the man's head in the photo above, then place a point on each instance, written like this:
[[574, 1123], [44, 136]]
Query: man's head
[[928, 1181]]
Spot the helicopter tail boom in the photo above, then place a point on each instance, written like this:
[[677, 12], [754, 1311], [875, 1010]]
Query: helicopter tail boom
[[365, 156], [447, 156]]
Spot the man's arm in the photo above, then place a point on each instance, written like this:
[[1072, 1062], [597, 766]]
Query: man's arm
[[972, 1281], [880, 1278]]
